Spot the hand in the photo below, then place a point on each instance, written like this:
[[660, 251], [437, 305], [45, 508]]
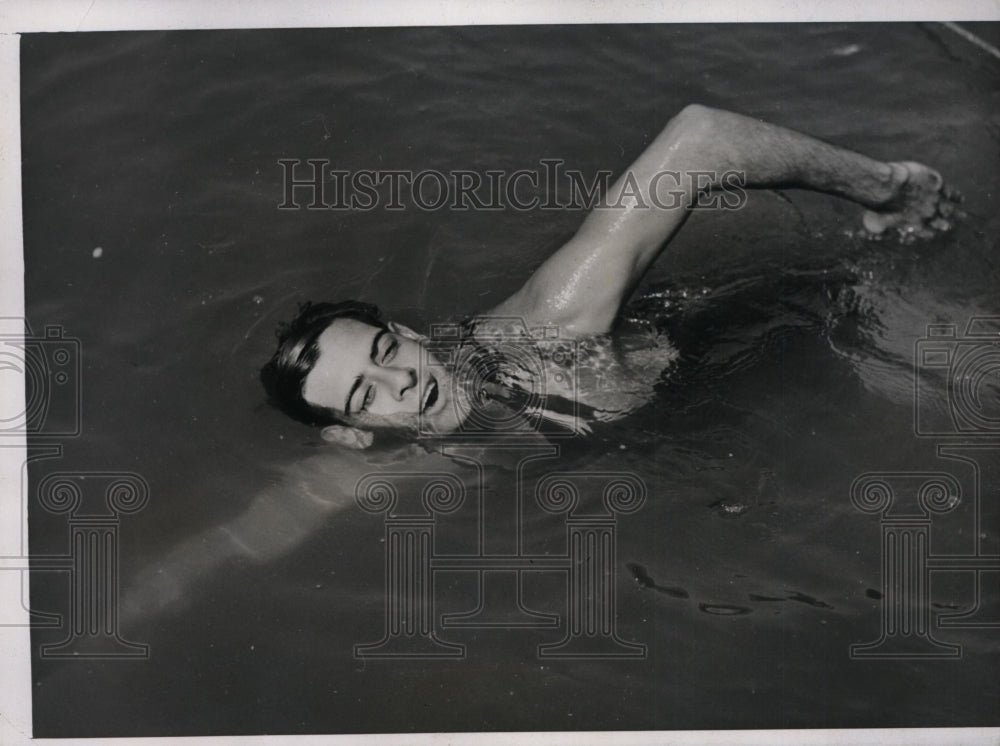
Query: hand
[[578, 425], [922, 205], [351, 437]]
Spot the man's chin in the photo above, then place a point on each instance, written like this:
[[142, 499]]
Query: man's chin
[[429, 424], [439, 423]]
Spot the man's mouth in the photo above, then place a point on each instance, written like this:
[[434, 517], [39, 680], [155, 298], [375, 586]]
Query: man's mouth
[[430, 395]]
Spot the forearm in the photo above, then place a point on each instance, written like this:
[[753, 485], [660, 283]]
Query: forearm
[[701, 145], [770, 156]]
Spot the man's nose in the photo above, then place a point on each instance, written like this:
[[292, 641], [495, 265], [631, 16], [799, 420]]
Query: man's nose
[[398, 381]]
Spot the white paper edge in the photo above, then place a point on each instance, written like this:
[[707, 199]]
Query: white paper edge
[[18, 16]]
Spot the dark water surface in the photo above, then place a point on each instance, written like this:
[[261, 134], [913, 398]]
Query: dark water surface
[[252, 574]]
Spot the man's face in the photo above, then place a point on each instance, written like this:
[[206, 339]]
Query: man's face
[[373, 378]]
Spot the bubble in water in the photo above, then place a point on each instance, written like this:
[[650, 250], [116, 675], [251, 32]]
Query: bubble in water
[[97, 253], [847, 51]]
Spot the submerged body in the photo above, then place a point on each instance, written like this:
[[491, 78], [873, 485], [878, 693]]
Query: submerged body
[[565, 381]]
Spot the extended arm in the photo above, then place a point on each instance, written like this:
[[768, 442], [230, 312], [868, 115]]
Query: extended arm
[[582, 285]]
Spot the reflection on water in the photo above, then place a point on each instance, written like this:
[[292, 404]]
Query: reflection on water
[[276, 521]]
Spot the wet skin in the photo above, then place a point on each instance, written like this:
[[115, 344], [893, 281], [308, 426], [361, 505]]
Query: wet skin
[[373, 378]]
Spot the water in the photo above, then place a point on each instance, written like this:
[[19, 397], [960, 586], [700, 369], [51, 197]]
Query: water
[[252, 574]]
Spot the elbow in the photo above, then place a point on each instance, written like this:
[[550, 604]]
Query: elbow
[[693, 121], [695, 112]]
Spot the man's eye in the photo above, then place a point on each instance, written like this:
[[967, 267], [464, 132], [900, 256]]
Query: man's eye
[[390, 351]]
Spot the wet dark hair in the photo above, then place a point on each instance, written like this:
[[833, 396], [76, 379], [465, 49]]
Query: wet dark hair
[[285, 373]]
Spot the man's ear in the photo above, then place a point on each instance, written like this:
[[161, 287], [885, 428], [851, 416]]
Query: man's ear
[[344, 435], [404, 331]]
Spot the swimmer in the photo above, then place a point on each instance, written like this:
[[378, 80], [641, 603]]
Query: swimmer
[[344, 368]]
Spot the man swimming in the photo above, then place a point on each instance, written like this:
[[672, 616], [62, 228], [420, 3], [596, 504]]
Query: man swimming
[[342, 367]]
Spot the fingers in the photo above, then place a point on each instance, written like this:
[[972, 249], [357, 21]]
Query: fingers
[[927, 208], [578, 425], [876, 223], [945, 208], [922, 177]]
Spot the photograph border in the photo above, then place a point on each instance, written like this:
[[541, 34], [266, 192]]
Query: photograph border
[[30, 16]]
